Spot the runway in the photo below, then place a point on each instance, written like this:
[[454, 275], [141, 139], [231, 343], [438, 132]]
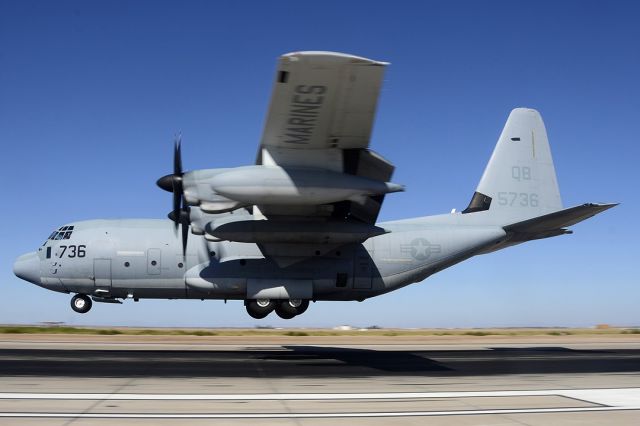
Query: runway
[[110, 381]]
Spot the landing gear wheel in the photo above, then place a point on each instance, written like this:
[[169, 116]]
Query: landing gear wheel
[[259, 308], [287, 309], [81, 303]]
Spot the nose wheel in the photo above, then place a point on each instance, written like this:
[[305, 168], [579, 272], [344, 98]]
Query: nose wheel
[[81, 303]]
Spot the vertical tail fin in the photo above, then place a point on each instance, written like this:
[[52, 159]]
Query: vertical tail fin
[[519, 181]]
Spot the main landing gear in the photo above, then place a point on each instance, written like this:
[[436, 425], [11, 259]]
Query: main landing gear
[[285, 309], [81, 303]]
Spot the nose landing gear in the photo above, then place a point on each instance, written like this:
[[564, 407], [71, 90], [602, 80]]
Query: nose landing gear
[[81, 303]]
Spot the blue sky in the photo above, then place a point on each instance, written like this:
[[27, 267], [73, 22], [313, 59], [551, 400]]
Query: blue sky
[[91, 94]]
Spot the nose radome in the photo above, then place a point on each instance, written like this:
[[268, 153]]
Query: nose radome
[[27, 267]]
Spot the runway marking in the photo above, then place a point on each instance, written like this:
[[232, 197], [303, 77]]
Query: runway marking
[[312, 415], [612, 399], [621, 397]]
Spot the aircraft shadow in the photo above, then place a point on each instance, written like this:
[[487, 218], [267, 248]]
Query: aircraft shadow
[[313, 361]]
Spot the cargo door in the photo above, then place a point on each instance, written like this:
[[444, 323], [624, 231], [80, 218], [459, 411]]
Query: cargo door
[[102, 273]]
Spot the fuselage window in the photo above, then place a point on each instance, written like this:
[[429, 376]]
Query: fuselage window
[[67, 235]]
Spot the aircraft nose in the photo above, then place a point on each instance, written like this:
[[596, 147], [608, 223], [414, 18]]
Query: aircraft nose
[[27, 267]]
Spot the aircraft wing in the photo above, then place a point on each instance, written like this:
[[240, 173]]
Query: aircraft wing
[[322, 103], [315, 180], [321, 116]]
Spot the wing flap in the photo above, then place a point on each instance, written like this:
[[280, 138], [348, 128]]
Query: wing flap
[[369, 164]]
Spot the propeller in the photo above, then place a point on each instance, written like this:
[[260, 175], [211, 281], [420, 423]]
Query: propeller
[[173, 183]]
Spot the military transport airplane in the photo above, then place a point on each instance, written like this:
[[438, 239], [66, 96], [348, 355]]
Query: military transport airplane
[[300, 224]]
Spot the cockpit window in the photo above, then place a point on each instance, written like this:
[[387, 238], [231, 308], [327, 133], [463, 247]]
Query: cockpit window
[[53, 234], [63, 233]]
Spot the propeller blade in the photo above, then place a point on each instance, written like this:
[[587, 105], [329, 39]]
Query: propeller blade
[[185, 220], [185, 235], [177, 157], [176, 181], [176, 208], [173, 183]]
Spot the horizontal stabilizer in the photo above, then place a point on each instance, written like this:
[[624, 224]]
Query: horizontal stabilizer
[[553, 224]]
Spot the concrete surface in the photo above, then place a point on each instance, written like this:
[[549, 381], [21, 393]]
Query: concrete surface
[[142, 380]]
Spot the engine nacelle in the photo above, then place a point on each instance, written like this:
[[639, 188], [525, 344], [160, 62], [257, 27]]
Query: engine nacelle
[[220, 190]]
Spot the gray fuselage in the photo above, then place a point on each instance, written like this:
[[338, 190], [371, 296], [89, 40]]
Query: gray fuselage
[[142, 258]]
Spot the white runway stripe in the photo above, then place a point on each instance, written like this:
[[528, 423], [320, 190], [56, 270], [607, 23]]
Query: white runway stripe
[[611, 396], [616, 399], [310, 415]]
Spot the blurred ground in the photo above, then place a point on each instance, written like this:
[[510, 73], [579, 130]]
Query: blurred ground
[[309, 380]]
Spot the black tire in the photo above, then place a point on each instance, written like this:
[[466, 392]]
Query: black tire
[[287, 309], [259, 309], [81, 303], [303, 307]]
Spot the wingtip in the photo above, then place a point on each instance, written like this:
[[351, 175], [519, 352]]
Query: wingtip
[[605, 205], [328, 55], [600, 207]]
